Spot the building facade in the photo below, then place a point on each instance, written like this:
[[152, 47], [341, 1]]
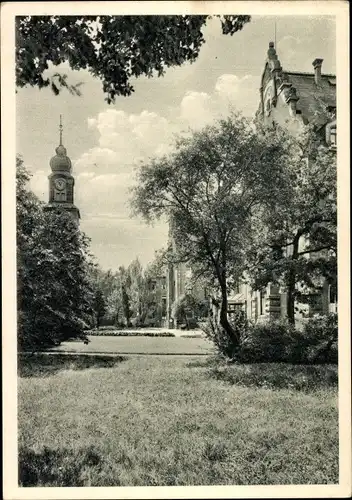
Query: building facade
[[292, 100], [62, 182]]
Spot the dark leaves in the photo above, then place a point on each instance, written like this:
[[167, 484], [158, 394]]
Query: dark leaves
[[112, 48]]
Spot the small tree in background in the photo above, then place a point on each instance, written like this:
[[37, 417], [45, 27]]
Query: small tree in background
[[99, 306], [184, 309]]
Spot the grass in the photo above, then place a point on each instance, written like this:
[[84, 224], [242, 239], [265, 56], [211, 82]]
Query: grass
[[139, 345], [161, 420]]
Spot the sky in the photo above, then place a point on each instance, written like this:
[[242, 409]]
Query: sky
[[107, 142]]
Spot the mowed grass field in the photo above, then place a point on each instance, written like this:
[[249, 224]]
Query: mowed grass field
[[140, 345], [175, 420]]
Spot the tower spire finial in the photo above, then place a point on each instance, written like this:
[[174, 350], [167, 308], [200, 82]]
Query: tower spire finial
[[60, 129]]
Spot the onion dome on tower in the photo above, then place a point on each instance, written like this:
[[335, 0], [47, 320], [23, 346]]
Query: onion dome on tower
[[61, 181], [61, 161]]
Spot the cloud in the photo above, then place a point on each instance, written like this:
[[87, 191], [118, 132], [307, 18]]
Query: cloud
[[196, 109], [39, 184], [241, 93]]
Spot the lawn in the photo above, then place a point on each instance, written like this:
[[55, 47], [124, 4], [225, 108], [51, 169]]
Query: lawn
[[175, 420], [140, 345]]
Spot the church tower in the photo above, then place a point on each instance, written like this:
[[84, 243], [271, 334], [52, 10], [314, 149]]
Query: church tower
[[61, 182]]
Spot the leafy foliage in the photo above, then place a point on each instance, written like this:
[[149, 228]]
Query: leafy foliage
[[300, 222], [129, 296], [114, 49], [99, 306], [185, 310], [279, 341], [320, 336], [54, 295]]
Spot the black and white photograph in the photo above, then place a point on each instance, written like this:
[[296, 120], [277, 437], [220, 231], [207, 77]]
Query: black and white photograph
[[176, 243]]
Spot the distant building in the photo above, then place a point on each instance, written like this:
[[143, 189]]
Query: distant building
[[61, 182], [292, 100], [178, 283]]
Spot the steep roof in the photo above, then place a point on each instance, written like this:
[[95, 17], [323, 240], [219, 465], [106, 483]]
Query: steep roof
[[314, 100]]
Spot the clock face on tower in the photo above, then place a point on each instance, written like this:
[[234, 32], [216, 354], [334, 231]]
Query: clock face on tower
[[60, 184]]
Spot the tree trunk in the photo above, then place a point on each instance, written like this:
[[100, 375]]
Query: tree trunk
[[224, 322], [291, 283]]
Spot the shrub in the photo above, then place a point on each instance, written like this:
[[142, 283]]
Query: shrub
[[320, 335], [47, 328], [269, 341], [223, 343], [277, 341]]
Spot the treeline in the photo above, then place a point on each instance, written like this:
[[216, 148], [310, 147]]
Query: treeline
[[130, 296]]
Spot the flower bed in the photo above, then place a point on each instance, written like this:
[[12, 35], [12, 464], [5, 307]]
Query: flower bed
[[128, 333]]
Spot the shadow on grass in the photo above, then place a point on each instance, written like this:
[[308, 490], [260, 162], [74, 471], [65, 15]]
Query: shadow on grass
[[44, 365], [306, 378], [62, 467], [210, 361]]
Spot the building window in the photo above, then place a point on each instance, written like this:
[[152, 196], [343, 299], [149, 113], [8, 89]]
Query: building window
[[262, 302], [333, 294], [163, 308], [331, 134]]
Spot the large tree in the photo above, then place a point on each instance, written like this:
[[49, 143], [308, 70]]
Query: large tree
[[53, 272], [208, 188], [296, 243], [114, 49]]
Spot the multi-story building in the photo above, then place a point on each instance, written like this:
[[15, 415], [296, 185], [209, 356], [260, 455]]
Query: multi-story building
[[292, 100]]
